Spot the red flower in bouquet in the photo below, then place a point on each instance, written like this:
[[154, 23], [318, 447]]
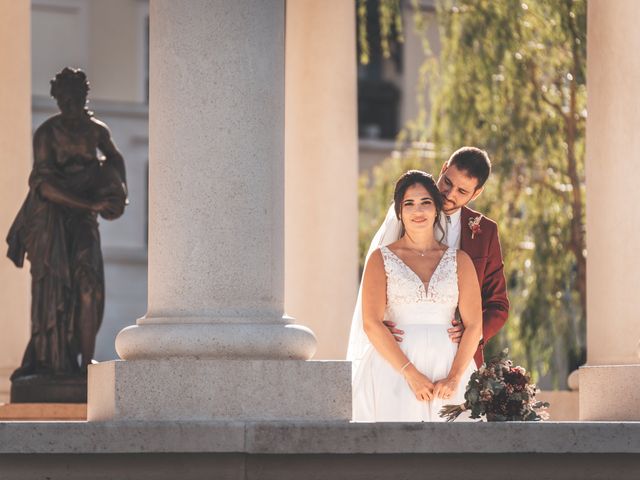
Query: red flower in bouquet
[[517, 377]]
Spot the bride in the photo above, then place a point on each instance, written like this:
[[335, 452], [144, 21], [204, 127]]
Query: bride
[[417, 282]]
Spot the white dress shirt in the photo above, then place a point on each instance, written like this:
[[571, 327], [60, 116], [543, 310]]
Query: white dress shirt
[[452, 228]]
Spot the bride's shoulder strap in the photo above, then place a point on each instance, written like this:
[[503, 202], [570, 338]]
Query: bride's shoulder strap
[[388, 258], [451, 257]]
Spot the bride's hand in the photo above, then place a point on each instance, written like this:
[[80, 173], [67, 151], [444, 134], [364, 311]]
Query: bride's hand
[[421, 386], [445, 388]]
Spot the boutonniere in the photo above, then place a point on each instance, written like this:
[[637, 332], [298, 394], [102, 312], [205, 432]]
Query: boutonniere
[[474, 225]]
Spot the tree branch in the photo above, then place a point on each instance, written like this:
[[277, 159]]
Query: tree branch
[[543, 95], [553, 189]]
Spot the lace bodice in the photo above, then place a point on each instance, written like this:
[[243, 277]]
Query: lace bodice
[[405, 287], [424, 313]]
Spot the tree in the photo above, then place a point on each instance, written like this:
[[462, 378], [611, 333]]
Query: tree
[[390, 25], [511, 78]]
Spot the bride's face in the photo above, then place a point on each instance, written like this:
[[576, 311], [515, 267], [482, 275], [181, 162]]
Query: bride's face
[[418, 208]]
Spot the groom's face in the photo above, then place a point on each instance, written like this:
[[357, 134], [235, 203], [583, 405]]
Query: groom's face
[[457, 187]]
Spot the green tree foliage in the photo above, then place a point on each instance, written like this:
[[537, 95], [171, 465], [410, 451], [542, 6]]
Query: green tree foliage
[[511, 79], [390, 23]]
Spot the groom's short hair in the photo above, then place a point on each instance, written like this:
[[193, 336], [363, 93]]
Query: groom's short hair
[[474, 161]]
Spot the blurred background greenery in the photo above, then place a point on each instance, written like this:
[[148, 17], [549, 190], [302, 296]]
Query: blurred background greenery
[[510, 77]]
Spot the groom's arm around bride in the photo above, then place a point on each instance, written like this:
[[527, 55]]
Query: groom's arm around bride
[[483, 246]]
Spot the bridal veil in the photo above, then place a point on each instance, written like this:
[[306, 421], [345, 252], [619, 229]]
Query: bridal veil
[[389, 232]]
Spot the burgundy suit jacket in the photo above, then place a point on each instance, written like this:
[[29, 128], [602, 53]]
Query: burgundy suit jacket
[[484, 250]]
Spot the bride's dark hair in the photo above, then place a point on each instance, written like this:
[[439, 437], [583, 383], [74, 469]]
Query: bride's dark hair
[[413, 177]]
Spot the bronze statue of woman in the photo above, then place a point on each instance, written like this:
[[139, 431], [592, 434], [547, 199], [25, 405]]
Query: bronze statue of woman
[[77, 174]]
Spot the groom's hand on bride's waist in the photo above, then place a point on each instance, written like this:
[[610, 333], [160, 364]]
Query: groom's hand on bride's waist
[[396, 332], [455, 332]]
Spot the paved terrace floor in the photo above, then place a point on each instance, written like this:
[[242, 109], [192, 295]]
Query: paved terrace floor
[[319, 450]]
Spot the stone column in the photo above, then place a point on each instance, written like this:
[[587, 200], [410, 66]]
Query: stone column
[[214, 343], [610, 382], [321, 152], [15, 165]]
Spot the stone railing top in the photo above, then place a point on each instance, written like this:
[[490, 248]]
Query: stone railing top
[[318, 437]]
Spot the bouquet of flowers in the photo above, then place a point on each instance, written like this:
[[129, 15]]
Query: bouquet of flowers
[[500, 392]]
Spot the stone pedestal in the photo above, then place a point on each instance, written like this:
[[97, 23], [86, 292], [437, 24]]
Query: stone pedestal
[[215, 342], [220, 390], [610, 392], [49, 389], [610, 382]]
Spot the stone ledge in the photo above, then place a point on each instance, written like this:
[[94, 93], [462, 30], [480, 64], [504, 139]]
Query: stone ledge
[[43, 411], [312, 438]]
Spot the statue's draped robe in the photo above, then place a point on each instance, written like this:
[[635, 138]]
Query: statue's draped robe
[[63, 246]]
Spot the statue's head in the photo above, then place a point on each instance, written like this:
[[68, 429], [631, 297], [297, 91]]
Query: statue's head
[[70, 88]]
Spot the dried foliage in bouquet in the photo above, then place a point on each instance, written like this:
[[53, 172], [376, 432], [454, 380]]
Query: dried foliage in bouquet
[[500, 392]]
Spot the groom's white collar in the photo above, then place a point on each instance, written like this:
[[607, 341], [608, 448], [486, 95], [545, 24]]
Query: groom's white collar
[[455, 216]]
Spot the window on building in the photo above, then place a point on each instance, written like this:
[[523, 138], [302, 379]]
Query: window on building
[[378, 91]]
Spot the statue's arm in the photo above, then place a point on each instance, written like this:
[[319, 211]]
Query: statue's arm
[[110, 151], [56, 195], [42, 158]]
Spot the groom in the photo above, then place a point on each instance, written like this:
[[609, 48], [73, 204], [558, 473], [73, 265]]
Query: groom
[[461, 181]]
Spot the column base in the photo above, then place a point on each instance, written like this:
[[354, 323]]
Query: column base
[[189, 389], [610, 392], [251, 341]]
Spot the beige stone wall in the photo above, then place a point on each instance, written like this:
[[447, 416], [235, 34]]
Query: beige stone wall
[[371, 153], [15, 164], [413, 59], [321, 158], [613, 174], [563, 404], [59, 38], [116, 49], [105, 38]]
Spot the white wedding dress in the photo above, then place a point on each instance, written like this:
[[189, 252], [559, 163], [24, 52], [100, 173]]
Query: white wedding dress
[[424, 312]]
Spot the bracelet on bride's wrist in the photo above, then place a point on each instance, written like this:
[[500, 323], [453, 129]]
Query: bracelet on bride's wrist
[[404, 367]]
